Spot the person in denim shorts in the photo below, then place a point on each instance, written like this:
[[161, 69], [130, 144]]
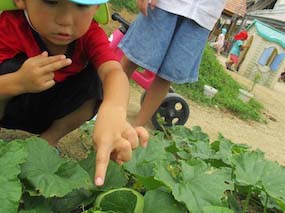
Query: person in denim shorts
[[168, 38]]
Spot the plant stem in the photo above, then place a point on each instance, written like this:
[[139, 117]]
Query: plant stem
[[84, 145], [248, 196], [266, 202]]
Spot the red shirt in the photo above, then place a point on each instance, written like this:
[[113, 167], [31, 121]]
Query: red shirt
[[16, 36]]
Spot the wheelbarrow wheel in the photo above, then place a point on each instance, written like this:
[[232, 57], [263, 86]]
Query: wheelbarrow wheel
[[174, 110]]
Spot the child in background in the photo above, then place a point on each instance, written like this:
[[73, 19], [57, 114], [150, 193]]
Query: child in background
[[237, 47], [168, 38], [219, 44], [54, 61]]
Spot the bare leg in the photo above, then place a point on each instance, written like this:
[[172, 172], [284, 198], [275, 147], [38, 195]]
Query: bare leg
[[229, 64], [63, 126], [154, 96], [219, 49], [128, 66]]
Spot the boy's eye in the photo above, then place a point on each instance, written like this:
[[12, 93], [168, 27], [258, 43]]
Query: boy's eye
[[51, 2]]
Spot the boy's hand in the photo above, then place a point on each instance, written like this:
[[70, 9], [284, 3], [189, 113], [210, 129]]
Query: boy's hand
[[143, 5], [37, 73], [114, 138]]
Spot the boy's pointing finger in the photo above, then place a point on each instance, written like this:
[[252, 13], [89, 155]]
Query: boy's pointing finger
[[102, 161]]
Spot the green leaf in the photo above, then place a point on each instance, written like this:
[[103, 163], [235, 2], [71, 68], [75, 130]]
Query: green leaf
[[35, 204], [202, 150], [249, 168], [49, 174], [123, 200], [252, 169], [149, 183], [226, 150], [179, 133], [35, 211], [198, 135], [161, 201], [11, 156], [193, 135], [10, 194], [200, 185], [72, 201], [216, 209], [143, 160], [68, 203], [268, 201], [115, 177], [233, 203], [183, 136], [273, 182]]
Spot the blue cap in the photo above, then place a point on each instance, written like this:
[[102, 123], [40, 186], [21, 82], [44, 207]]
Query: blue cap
[[101, 16], [9, 4], [89, 2]]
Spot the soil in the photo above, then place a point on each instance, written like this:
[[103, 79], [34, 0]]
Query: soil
[[268, 136]]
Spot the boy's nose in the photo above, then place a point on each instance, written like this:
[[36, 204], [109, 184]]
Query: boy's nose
[[64, 19]]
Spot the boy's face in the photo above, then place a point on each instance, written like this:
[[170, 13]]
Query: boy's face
[[59, 22]]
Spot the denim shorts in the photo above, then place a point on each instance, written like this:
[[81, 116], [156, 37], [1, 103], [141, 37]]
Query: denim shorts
[[169, 45]]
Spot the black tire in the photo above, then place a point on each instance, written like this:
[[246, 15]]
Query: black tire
[[174, 110]]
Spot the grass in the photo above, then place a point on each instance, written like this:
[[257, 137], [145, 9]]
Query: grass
[[130, 5], [212, 73]]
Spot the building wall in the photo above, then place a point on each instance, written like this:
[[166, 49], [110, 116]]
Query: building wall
[[250, 67], [280, 4]]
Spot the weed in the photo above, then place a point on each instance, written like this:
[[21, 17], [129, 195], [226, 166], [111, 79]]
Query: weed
[[130, 5]]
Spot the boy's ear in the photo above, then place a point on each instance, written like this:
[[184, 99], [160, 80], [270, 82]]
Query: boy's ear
[[21, 4]]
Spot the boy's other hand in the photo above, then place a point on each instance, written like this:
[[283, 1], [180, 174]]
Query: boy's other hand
[[115, 139], [143, 5], [37, 73]]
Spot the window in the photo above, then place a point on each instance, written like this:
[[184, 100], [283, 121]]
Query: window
[[271, 58], [277, 61]]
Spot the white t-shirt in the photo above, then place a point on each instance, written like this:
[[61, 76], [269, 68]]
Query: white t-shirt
[[204, 12]]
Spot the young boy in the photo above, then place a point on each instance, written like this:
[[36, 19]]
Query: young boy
[[236, 49], [53, 58], [168, 39]]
